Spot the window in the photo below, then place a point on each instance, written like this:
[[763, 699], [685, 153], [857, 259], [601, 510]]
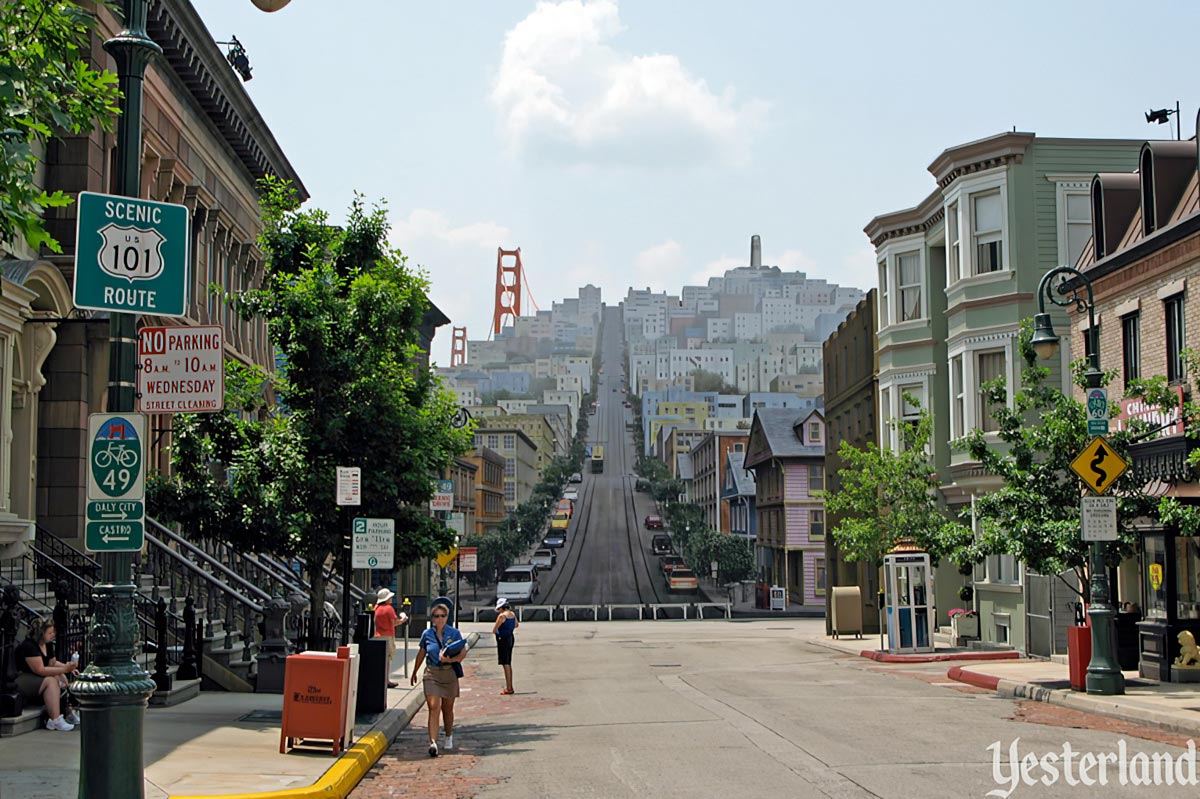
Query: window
[[1002, 569], [953, 244], [1173, 308], [884, 319], [987, 218], [819, 576], [816, 478], [493, 442], [1131, 347], [510, 492], [957, 398], [510, 441], [908, 268], [910, 413], [814, 432], [885, 417], [510, 467], [816, 524], [1078, 211], [988, 367]]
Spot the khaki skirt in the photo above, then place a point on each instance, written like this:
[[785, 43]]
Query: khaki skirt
[[441, 681]]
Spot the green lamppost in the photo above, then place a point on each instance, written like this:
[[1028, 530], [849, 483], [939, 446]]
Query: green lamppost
[[114, 689], [1103, 673]]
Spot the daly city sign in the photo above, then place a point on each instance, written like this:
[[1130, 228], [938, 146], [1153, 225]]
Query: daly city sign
[[131, 255], [181, 369]]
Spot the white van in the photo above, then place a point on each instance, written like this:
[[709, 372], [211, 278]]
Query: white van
[[518, 584]]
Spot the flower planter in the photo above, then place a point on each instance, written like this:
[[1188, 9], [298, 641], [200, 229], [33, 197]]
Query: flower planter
[[964, 626]]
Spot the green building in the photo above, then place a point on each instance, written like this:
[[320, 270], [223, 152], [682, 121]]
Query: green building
[[957, 274]]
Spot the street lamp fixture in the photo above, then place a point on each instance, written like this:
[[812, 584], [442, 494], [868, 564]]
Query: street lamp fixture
[[1066, 286], [1163, 115], [237, 58]]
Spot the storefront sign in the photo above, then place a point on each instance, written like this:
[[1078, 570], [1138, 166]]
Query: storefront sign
[[1171, 420], [1156, 576]]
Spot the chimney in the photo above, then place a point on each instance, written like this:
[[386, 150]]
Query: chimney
[[755, 251]]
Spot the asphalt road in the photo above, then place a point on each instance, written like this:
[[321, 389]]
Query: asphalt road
[[700, 709], [608, 560]]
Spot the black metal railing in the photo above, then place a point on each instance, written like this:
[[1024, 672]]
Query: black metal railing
[[298, 627]]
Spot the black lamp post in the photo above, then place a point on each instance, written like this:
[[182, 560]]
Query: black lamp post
[[114, 689], [1103, 673]]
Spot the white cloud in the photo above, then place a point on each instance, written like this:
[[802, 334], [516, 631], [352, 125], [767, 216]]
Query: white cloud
[[423, 224], [859, 268], [659, 266], [564, 93]]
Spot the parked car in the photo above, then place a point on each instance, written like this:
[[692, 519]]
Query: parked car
[[554, 540], [565, 505], [571, 494], [576, 478], [669, 563], [518, 584], [544, 558], [661, 544], [642, 485], [654, 522], [682, 579], [559, 520], [627, 404]]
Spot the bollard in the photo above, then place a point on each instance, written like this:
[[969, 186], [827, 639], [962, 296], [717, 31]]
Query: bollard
[[162, 679]]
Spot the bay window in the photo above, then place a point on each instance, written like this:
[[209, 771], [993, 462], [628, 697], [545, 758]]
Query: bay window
[[987, 231], [908, 271]]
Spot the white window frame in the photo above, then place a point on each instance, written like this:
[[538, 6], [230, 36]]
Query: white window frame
[[902, 287], [1064, 185], [982, 238], [961, 192], [954, 258], [969, 349], [977, 385], [886, 260], [885, 319], [958, 398], [891, 403]]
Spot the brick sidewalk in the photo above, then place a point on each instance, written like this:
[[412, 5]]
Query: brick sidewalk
[[407, 770]]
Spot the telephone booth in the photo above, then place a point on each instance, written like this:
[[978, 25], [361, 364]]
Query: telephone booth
[[908, 581]]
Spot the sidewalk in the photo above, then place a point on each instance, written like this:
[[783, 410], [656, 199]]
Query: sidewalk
[[1170, 706], [218, 743]]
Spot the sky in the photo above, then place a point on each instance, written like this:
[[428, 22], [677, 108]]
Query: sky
[[643, 142]]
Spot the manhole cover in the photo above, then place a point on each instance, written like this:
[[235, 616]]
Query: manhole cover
[[263, 717]]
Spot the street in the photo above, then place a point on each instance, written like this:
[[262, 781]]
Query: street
[[607, 559], [756, 709]]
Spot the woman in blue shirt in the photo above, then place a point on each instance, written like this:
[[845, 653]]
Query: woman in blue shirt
[[441, 678], [504, 629]]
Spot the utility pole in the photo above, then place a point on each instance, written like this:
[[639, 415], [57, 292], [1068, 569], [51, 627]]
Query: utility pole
[[114, 689]]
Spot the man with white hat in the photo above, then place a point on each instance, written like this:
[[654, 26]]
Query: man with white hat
[[386, 622]]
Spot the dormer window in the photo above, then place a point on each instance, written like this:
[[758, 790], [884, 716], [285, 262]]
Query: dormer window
[[814, 432]]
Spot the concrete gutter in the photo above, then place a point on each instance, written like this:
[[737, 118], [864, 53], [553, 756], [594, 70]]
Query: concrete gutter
[[347, 771], [1076, 700]]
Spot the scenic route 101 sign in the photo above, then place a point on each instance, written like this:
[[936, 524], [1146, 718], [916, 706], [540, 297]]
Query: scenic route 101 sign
[[131, 255], [116, 482], [181, 369]]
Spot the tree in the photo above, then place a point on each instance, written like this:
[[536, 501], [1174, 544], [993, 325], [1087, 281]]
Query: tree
[[1034, 516], [343, 310], [887, 496], [47, 89], [703, 380]]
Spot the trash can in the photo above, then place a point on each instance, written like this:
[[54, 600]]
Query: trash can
[[372, 676]]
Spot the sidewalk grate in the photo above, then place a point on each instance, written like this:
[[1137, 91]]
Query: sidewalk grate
[[263, 717]]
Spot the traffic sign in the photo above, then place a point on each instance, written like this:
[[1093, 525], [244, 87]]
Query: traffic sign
[[374, 543], [115, 517], [468, 560], [1099, 518], [444, 559], [1098, 465], [458, 523], [443, 498], [131, 255], [1097, 411], [181, 369], [349, 485]]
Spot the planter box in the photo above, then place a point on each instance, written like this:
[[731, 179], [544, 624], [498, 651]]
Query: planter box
[[964, 627]]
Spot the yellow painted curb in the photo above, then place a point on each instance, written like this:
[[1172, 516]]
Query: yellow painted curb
[[337, 782]]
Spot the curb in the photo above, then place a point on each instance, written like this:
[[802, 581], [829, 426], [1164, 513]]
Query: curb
[[347, 771], [985, 681], [887, 657]]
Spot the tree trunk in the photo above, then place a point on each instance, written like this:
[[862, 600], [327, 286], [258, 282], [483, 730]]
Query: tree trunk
[[316, 595]]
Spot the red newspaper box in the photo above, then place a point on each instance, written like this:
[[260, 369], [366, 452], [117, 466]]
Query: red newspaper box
[[1079, 655], [315, 692]]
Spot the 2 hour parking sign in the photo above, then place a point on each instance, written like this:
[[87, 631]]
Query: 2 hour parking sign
[[131, 255]]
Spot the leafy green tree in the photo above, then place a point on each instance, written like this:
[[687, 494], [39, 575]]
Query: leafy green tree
[[1034, 516], [47, 89], [343, 310], [703, 380], [887, 496]]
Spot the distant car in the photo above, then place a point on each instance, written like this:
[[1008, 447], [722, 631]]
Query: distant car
[[518, 584], [654, 522], [554, 540], [559, 521], [572, 495], [661, 544], [614, 389], [627, 404], [544, 558], [641, 485], [669, 563], [576, 478], [682, 579]]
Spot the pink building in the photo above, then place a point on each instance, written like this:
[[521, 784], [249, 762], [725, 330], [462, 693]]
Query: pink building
[[786, 452]]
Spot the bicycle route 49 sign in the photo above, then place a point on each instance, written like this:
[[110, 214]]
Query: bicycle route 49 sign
[[116, 482], [131, 255]]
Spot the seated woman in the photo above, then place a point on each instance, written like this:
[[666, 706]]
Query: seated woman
[[41, 678]]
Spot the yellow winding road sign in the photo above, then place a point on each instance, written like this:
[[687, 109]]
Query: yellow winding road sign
[[1099, 465]]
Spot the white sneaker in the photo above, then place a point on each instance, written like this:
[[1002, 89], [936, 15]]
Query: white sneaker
[[449, 742], [72, 718], [433, 751], [59, 724]]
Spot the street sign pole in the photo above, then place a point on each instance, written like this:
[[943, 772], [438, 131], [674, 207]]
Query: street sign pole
[[349, 492], [114, 689]]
